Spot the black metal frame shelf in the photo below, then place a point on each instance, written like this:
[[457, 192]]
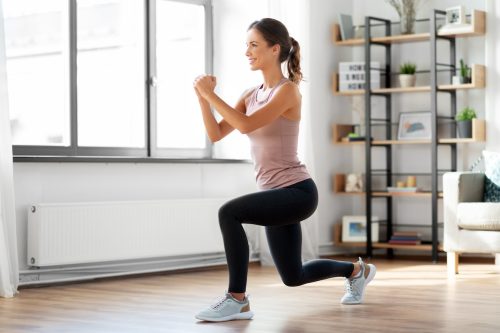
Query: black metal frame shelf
[[385, 92]]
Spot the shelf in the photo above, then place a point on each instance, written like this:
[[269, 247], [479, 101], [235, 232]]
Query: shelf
[[478, 74], [406, 194], [339, 188], [340, 131], [385, 40], [379, 245], [477, 28]]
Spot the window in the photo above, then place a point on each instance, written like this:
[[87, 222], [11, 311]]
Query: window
[[37, 67], [180, 57], [107, 77], [111, 73]]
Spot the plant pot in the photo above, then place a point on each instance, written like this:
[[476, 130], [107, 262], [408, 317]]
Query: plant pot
[[464, 128], [457, 79], [406, 80]]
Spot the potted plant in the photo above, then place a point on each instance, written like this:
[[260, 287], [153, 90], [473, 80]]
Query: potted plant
[[464, 74], [407, 74], [464, 122]]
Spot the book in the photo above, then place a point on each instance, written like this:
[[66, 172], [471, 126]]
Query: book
[[402, 189], [405, 242], [407, 233], [405, 238], [346, 27], [353, 139]]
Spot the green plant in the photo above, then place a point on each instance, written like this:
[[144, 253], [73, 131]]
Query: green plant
[[464, 69], [467, 113], [408, 68]]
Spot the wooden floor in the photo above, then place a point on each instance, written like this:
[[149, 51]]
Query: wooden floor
[[406, 296]]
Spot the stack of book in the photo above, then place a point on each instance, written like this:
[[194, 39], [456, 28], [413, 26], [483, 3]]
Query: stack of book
[[406, 238]]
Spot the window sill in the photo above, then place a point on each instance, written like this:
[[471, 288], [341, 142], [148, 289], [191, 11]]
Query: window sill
[[124, 159]]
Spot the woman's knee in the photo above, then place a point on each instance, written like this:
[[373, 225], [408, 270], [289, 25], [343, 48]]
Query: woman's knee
[[227, 214], [292, 281]]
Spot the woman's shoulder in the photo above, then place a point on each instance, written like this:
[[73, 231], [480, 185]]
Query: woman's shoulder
[[290, 88]]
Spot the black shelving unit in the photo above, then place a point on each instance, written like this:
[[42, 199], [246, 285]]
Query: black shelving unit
[[434, 91], [368, 43]]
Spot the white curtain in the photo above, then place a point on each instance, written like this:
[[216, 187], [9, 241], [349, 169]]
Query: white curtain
[[295, 15], [9, 270]]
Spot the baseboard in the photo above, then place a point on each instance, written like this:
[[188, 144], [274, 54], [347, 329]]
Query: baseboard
[[79, 273]]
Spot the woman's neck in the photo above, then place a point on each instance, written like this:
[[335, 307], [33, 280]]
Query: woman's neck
[[272, 77]]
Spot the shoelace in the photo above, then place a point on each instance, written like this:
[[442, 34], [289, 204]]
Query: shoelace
[[218, 302], [349, 282], [348, 286]]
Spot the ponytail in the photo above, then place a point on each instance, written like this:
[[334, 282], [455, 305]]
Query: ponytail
[[293, 63]]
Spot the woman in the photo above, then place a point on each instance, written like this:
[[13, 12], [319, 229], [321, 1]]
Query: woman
[[270, 114]]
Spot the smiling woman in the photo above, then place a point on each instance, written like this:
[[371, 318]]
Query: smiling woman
[[269, 114]]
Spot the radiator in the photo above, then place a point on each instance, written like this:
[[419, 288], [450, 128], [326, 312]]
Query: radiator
[[91, 232]]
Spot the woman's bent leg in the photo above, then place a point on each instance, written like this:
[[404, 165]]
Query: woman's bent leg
[[236, 248], [285, 243]]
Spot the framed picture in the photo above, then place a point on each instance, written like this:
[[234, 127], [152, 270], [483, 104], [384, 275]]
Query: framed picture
[[414, 126], [455, 15], [354, 228]]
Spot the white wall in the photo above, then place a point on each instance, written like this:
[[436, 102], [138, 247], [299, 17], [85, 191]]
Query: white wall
[[325, 109], [74, 182], [493, 76]]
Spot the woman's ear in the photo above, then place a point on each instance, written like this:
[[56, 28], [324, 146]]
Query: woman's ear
[[276, 49]]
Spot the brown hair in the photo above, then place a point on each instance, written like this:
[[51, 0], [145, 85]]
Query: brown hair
[[275, 32]]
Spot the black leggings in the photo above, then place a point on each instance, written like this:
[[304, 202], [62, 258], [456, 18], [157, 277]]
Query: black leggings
[[280, 211]]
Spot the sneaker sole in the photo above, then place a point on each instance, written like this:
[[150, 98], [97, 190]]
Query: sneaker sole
[[371, 275], [238, 316]]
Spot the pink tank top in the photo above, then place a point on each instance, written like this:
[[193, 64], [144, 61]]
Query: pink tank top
[[274, 148]]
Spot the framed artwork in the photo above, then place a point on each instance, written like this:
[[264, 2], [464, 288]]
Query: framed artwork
[[414, 126], [354, 228], [455, 15]]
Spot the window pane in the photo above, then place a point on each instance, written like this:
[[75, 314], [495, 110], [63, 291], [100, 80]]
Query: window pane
[[111, 73], [180, 57], [37, 71]]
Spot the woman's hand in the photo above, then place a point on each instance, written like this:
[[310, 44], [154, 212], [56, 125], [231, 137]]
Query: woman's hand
[[204, 84]]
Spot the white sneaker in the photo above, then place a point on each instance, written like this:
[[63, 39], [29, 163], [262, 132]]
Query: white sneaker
[[355, 287], [226, 308]]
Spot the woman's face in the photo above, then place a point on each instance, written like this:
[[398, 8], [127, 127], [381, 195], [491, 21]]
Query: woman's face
[[260, 55]]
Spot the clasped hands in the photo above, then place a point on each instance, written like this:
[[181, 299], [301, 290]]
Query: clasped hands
[[204, 85]]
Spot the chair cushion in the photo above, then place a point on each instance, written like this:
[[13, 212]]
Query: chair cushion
[[492, 179], [479, 216]]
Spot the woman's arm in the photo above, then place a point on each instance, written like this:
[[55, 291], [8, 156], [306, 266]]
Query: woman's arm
[[285, 97], [217, 131]]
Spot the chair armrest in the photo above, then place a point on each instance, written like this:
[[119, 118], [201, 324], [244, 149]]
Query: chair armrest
[[458, 187]]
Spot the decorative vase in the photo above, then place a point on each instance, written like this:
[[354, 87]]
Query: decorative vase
[[407, 80], [407, 23], [464, 128]]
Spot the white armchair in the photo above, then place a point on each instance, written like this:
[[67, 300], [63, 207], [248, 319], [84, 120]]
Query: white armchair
[[470, 225]]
